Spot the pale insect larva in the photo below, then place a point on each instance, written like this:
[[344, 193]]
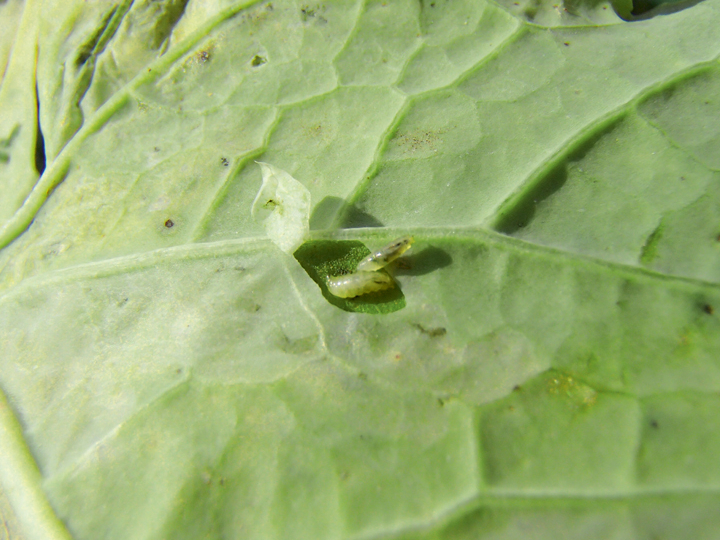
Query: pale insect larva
[[352, 285], [385, 255]]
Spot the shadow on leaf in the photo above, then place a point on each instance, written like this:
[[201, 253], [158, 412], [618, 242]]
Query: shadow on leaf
[[351, 217], [423, 262], [522, 210]]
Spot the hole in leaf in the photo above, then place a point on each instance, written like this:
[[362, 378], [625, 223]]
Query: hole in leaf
[[322, 258]]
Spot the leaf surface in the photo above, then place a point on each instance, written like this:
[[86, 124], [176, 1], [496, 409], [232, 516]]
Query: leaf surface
[[549, 366]]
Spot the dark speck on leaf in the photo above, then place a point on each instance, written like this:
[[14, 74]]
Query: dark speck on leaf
[[169, 223], [258, 61], [517, 388], [432, 332], [654, 424], [307, 13], [224, 161], [157, 148], [204, 56], [707, 308], [566, 43]]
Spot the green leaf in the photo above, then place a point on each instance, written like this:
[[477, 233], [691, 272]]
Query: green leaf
[[548, 365]]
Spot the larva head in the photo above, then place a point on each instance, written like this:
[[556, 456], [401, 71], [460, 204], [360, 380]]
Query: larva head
[[401, 245], [385, 255]]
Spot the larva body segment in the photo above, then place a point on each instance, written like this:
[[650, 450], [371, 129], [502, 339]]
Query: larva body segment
[[385, 255], [359, 283]]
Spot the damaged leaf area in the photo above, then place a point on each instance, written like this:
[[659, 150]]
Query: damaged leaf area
[[282, 206], [322, 259], [546, 363]]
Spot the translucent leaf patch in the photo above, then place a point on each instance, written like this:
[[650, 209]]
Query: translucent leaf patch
[[282, 206]]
